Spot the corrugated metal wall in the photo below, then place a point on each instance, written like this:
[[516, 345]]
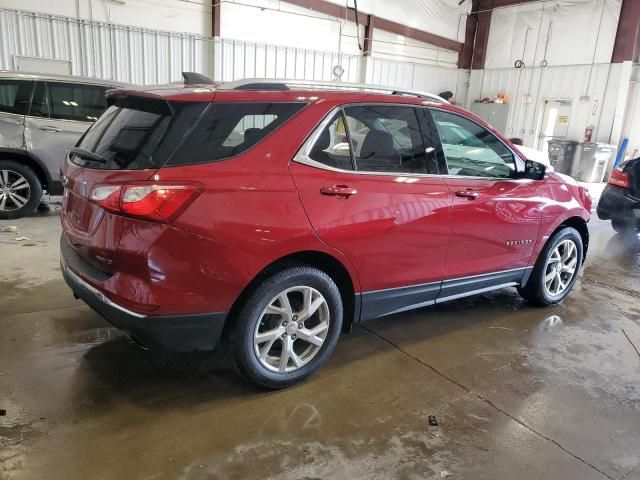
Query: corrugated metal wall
[[566, 83], [143, 56]]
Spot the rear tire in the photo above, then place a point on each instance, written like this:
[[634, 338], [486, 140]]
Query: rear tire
[[20, 190], [274, 342], [556, 269]]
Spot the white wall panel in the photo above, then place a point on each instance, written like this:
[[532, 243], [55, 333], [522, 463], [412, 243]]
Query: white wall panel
[[566, 83], [428, 78], [561, 32], [136, 55], [192, 16], [143, 56]]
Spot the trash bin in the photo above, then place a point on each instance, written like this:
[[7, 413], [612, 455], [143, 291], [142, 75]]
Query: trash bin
[[561, 155], [592, 160]]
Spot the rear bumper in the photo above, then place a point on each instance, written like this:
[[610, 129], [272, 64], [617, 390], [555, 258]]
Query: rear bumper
[[616, 203], [182, 333]]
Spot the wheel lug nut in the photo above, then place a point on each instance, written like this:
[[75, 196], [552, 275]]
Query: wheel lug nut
[[284, 335], [293, 337], [295, 317], [284, 324], [300, 325]]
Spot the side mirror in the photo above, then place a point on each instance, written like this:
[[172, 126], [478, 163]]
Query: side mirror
[[534, 170]]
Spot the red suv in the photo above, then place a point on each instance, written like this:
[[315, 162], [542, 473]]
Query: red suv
[[272, 218]]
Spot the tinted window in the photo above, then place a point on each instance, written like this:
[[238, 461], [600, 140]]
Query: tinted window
[[228, 129], [136, 133], [69, 101], [15, 96], [387, 139], [331, 147], [472, 150], [40, 101]]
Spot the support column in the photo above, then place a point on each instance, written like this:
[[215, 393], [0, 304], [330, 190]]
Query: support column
[[215, 18], [367, 47], [627, 44]]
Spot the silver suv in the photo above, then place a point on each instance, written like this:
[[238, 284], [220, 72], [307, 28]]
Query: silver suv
[[41, 118]]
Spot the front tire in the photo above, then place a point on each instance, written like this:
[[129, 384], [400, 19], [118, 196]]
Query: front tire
[[20, 190], [287, 328], [556, 269]]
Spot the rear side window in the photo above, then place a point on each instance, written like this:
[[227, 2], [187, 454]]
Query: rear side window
[[15, 96], [229, 129], [70, 101], [388, 139]]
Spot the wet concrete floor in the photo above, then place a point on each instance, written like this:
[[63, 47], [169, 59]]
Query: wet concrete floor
[[519, 392]]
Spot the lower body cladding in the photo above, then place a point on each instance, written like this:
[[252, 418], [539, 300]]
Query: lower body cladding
[[396, 300], [203, 332], [182, 333]]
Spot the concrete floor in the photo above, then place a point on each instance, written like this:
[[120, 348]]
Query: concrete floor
[[519, 392]]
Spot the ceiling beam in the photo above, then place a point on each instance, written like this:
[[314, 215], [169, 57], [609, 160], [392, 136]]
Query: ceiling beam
[[627, 44], [478, 26], [337, 11]]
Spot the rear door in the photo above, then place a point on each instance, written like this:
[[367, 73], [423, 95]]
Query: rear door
[[496, 217], [366, 180], [60, 113]]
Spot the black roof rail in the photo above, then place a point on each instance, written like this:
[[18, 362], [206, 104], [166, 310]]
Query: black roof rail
[[262, 86], [193, 78]]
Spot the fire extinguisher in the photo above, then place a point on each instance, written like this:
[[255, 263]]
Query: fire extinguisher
[[588, 133]]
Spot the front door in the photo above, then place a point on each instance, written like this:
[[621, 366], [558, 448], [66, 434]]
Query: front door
[[364, 185], [60, 113], [496, 217]]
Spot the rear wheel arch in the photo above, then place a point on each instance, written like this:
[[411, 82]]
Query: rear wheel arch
[[24, 157], [312, 258]]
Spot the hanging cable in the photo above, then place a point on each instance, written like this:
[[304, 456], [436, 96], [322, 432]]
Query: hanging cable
[[355, 10]]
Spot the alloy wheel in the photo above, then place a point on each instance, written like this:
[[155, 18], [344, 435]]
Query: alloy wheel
[[15, 191], [561, 268], [291, 329]]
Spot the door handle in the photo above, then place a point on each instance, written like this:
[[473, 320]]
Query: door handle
[[467, 193], [340, 191], [49, 128]]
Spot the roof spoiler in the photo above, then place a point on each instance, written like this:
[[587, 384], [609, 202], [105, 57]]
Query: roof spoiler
[[193, 78]]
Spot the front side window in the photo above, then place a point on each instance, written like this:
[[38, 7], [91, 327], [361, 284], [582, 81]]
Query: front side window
[[15, 96], [331, 148], [69, 101], [387, 138], [472, 150]]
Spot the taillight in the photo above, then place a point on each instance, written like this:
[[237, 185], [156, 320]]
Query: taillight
[[619, 178], [149, 201], [107, 196]]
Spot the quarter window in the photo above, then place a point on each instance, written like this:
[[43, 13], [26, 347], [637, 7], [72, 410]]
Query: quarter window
[[332, 147], [387, 138], [15, 96], [472, 150], [229, 129]]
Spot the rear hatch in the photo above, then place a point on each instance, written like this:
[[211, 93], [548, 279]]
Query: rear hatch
[[134, 138]]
